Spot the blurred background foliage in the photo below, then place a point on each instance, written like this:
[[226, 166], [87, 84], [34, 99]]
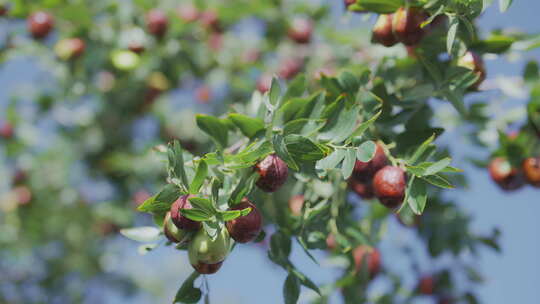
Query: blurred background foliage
[[77, 133]]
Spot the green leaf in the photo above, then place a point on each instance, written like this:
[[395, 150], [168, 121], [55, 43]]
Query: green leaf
[[251, 154], [296, 87], [244, 187], [301, 148], [377, 6], [531, 72], [197, 215], [332, 160], [230, 215], [495, 44], [176, 162], [452, 31], [313, 108], [457, 101], [341, 121], [418, 196], [303, 126], [349, 82], [291, 289], [162, 201], [348, 163], [504, 5], [141, 234], [281, 150], [438, 181], [280, 248], [249, 126], [365, 125], [214, 127], [421, 150], [292, 107], [438, 166], [275, 92], [187, 293], [304, 280], [366, 151], [203, 204], [198, 180]]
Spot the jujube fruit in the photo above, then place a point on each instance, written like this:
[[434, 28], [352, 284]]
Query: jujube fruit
[[331, 242], [373, 261], [382, 32], [69, 48], [389, 185], [245, 228], [363, 189], [157, 22], [203, 268], [178, 218], [504, 174], [125, 60], [6, 130], [264, 82], [203, 252], [349, 2], [210, 20], [473, 62], [364, 171], [273, 173], [301, 30], [531, 170], [40, 24], [426, 285], [296, 203], [289, 67], [173, 233], [406, 25], [188, 12]]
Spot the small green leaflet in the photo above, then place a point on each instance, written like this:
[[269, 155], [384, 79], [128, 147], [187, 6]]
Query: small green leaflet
[[249, 126], [162, 201], [198, 180], [202, 204], [281, 150], [438, 180], [348, 164], [214, 127], [452, 31], [187, 293], [421, 150], [197, 215], [176, 162], [365, 125], [366, 151], [418, 196], [275, 92], [332, 160], [230, 215], [291, 289]]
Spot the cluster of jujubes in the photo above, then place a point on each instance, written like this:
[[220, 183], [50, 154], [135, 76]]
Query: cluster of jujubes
[[273, 173], [206, 254], [510, 177], [41, 23], [402, 26], [377, 179]]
